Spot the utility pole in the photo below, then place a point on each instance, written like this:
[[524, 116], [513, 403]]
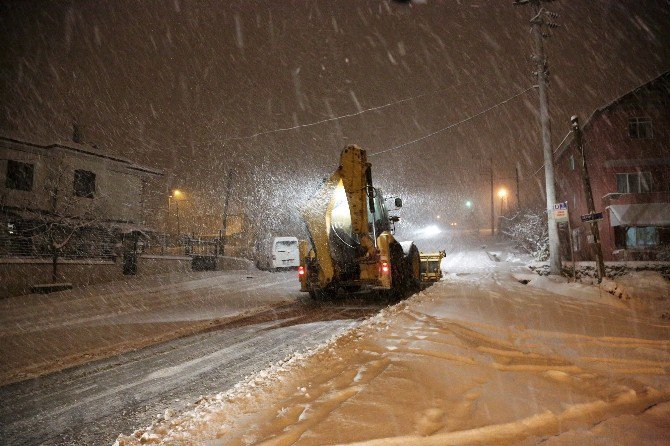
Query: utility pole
[[539, 21], [595, 231], [518, 199], [225, 212], [493, 218], [178, 226]]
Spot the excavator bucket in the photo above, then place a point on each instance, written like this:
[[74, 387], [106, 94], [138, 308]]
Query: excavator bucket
[[430, 266]]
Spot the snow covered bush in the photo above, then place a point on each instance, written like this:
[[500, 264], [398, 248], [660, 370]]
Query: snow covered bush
[[528, 229]]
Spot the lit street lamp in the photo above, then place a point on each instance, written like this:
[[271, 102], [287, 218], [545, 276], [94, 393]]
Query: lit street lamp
[[502, 193], [176, 196]]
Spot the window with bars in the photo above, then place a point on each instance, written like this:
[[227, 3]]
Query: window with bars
[[19, 175], [84, 183], [640, 128], [633, 183]]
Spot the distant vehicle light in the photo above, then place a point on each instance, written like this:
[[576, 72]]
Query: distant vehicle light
[[429, 231], [301, 271], [385, 267]]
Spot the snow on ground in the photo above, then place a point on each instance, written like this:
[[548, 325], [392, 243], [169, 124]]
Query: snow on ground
[[45, 333], [477, 358]]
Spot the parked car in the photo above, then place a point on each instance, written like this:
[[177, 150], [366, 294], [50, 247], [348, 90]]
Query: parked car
[[280, 252]]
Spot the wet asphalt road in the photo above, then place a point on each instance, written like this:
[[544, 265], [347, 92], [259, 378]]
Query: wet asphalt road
[[93, 403]]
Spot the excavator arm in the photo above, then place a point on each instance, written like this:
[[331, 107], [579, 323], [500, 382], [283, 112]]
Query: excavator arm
[[353, 179]]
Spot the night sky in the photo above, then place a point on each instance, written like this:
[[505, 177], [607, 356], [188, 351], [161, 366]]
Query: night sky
[[169, 84]]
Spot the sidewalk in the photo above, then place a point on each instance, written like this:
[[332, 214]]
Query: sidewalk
[[476, 359]]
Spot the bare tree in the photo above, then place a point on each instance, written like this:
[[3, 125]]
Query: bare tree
[[72, 206]]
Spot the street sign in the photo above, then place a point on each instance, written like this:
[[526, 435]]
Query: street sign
[[592, 217], [561, 212]]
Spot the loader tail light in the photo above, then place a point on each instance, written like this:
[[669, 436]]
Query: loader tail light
[[301, 271], [385, 267]]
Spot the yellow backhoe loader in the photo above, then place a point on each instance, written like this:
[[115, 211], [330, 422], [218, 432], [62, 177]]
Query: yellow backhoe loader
[[352, 242]]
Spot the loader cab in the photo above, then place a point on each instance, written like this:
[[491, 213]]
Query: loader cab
[[380, 216]]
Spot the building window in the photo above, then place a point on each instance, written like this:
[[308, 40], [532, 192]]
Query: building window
[[19, 175], [571, 162], [633, 183], [640, 237], [640, 128], [84, 183]]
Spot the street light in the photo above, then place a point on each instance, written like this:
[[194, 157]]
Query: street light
[[468, 204], [502, 193], [176, 196]]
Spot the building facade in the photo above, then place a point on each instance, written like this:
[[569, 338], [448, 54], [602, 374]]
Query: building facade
[[70, 193], [627, 146]]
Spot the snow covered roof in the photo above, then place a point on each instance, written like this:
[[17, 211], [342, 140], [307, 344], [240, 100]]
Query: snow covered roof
[[665, 77], [87, 149]]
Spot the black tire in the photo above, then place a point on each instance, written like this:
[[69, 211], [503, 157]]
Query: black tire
[[398, 270], [413, 266]]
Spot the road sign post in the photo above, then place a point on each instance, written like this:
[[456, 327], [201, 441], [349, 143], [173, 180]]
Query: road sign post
[[600, 263], [596, 216], [561, 215], [561, 212]]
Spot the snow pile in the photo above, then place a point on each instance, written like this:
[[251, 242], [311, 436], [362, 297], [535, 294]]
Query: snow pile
[[587, 269], [642, 290], [560, 285]]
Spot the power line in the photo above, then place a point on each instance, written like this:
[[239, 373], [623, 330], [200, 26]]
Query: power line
[[336, 118], [450, 126], [553, 153]]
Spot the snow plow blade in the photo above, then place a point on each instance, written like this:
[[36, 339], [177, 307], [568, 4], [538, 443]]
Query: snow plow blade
[[430, 266]]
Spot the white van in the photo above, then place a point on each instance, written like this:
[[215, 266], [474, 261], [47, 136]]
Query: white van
[[283, 252]]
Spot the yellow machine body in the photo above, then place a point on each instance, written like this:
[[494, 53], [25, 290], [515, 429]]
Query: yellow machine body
[[350, 232], [431, 270]]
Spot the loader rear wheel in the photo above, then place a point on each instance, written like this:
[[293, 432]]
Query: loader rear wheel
[[398, 270], [413, 267]]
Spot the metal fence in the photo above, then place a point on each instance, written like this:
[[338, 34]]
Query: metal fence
[[31, 239]]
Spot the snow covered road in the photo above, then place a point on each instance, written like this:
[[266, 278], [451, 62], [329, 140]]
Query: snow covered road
[[45, 333], [479, 358], [91, 404]]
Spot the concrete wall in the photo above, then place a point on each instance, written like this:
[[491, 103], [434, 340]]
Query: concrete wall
[[17, 275]]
